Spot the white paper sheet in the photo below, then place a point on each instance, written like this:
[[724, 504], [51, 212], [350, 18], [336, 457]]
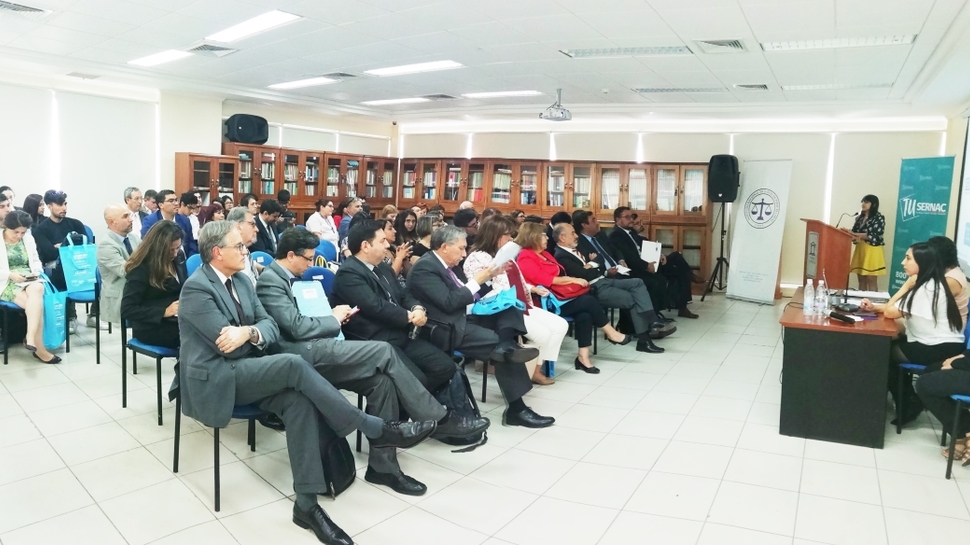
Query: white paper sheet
[[650, 251], [505, 254]]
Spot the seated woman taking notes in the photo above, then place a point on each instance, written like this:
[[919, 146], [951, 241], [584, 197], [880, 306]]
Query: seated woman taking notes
[[155, 276], [934, 327]]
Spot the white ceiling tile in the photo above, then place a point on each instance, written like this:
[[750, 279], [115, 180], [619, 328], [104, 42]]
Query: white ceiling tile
[[882, 12], [810, 96], [745, 77], [157, 39], [870, 64], [435, 42], [641, 80], [106, 56], [65, 35], [337, 12], [670, 63], [384, 54], [586, 7], [116, 10], [16, 25], [171, 5], [803, 67], [638, 24], [55, 5], [225, 12], [753, 59], [493, 34], [761, 96], [505, 10], [713, 97], [622, 65], [719, 23], [401, 5], [525, 53], [87, 23], [807, 18], [191, 28], [125, 47], [691, 79], [862, 94], [44, 45], [555, 27]]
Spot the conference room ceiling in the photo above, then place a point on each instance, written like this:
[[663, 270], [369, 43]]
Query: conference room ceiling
[[515, 45]]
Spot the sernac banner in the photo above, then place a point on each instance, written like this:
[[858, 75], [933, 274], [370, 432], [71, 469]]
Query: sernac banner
[[922, 208]]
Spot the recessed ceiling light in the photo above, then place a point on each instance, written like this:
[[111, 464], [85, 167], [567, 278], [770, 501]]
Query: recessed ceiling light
[[252, 26], [835, 86], [161, 58], [499, 94], [626, 51], [679, 90], [309, 82], [414, 68], [413, 100], [837, 43]]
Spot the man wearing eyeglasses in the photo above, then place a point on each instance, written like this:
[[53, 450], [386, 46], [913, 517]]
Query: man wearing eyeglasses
[[168, 206], [246, 223], [467, 219]]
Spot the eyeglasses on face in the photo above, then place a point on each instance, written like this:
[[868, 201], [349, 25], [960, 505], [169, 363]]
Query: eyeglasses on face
[[241, 248]]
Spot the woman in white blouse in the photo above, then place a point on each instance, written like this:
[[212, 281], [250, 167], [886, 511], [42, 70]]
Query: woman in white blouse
[[321, 222], [19, 268], [544, 329]]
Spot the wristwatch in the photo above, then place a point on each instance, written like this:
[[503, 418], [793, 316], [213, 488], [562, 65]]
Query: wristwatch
[[253, 335]]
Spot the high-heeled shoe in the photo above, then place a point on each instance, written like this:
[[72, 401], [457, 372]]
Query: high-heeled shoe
[[626, 340], [30, 347], [54, 359], [591, 370]]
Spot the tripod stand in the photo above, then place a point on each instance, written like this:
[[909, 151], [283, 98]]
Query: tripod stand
[[720, 268]]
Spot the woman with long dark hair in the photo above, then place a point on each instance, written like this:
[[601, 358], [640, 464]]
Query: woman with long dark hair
[[955, 278], [213, 212], [868, 259], [404, 224], [19, 268], [34, 206], [934, 327], [155, 274]]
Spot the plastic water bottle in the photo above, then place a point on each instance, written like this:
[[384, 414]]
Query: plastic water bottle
[[821, 298], [808, 301]]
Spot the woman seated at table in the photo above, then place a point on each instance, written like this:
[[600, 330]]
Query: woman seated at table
[[20, 264], [321, 222], [155, 275], [539, 268], [934, 327], [544, 329]]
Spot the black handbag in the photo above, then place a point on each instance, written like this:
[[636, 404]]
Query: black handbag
[[339, 466], [440, 334]]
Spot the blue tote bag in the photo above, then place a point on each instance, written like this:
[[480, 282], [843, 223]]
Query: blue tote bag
[[80, 264], [55, 312]]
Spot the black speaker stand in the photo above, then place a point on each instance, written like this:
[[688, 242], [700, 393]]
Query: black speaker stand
[[720, 268]]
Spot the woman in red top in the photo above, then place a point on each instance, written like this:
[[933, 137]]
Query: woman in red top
[[539, 268]]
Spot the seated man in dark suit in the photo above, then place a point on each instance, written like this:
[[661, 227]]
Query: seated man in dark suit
[[622, 293], [269, 213], [387, 311], [224, 331], [670, 286], [375, 369], [446, 294]]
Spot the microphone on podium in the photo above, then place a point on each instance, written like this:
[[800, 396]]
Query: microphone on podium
[[842, 217]]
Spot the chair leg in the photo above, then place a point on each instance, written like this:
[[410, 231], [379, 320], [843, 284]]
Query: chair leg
[[595, 343], [251, 439], [124, 369], [953, 439], [158, 386], [942, 438], [67, 327], [109, 328], [6, 336], [97, 336], [178, 429], [360, 405], [900, 400], [134, 362], [484, 378], [215, 457]]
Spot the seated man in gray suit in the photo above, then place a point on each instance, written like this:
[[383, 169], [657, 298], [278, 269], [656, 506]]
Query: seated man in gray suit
[[446, 294], [373, 368], [113, 251], [224, 332]]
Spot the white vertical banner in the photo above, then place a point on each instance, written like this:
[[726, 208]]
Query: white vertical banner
[[758, 230]]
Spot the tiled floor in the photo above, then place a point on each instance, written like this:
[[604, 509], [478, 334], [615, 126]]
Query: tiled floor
[[678, 448]]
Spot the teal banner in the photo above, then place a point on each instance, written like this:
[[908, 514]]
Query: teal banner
[[924, 199]]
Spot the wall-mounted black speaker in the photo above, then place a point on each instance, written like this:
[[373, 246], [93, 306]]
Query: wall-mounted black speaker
[[246, 129], [723, 178]]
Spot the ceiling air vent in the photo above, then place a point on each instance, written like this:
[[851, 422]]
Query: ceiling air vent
[[338, 75], [22, 10], [439, 96], [647, 90], [752, 87], [212, 50], [720, 46]]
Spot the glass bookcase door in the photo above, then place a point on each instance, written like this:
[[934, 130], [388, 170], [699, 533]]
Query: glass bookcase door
[[694, 192], [529, 185], [691, 246], [609, 188], [501, 184], [666, 184], [372, 173], [475, 191], [351, 177], [333, 177], [582, 186], [387, 180], [556, 186], [267, 173], [311, 176], [429, 182], [637, 189], [227, 177], [291, 173], [452, 189], [246, 171], [409, 182], [202, 178], [667, 237]]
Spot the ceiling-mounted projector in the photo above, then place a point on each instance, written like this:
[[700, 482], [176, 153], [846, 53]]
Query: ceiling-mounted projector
[[556, 112]]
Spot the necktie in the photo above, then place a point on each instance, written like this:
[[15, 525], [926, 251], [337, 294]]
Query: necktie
[[458, 283], [602, 252], [383, 282], [239, 309], [128, 246]]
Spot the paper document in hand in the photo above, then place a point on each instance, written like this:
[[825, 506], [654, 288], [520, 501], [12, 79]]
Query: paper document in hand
[[505, 254], [650, 251], [620, 269]]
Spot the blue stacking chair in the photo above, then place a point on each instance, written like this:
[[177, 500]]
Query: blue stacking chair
[[263, 258], [7, 308], [193, 263], [86, 297], [138, 347], [323, 275], [907, 371], [327, 250], [241, 412]]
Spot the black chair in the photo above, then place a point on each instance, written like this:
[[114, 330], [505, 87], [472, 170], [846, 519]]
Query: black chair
[[7, 308], [138, 347]]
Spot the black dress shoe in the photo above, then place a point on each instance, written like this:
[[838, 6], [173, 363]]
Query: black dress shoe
[[591, 370], [455, 425], [398, 482], [316, 519], [660, 330], [626, 340], [664, 319], [646, 345], [527, 419], [272, 421], [684, 313], [403, 434], [514, 352]]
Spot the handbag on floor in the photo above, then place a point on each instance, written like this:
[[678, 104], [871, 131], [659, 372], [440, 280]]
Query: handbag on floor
[[457, 396], [80, 264], [339, 465], [55, 309]]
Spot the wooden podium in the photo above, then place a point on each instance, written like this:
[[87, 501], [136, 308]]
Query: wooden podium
[[827, 249]]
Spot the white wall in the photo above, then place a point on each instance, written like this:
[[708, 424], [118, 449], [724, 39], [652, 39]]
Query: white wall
[[186, 124]]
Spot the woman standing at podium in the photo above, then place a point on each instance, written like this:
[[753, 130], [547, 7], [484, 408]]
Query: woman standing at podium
[[868, 259]]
